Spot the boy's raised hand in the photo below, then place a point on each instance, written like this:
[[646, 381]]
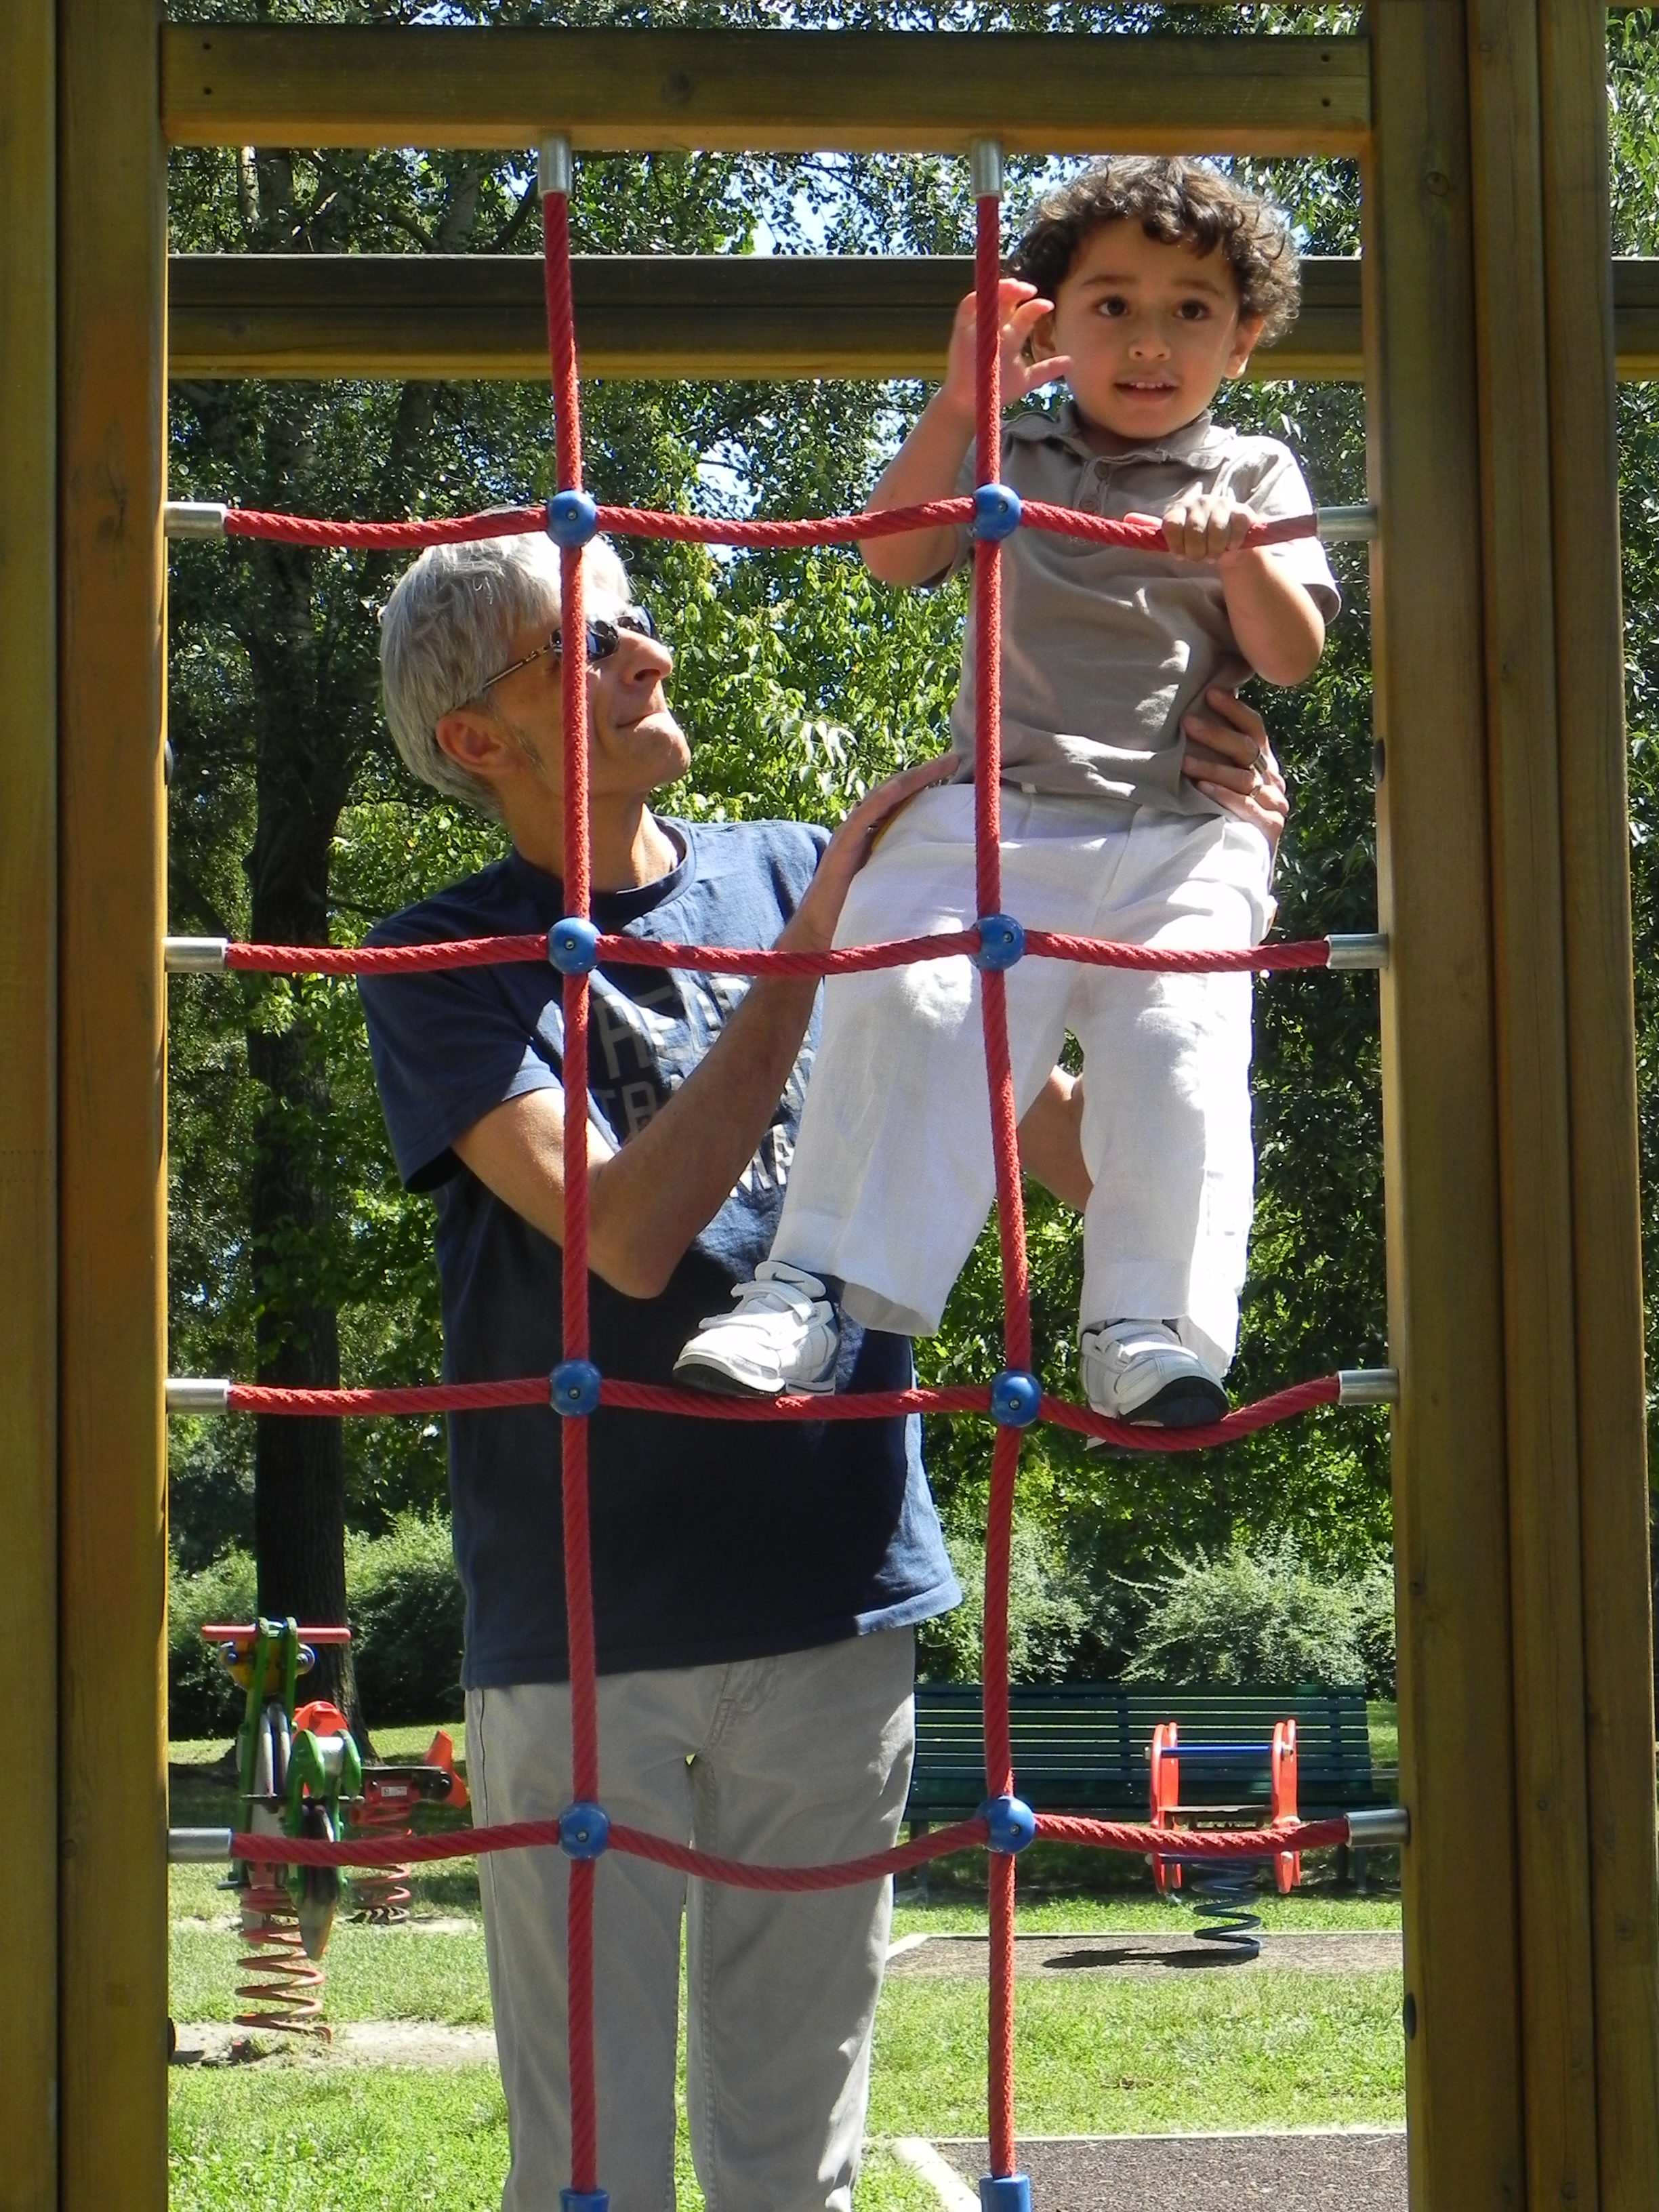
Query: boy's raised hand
[[1021, 310]]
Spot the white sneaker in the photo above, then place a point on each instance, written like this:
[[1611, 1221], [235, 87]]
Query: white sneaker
[[783, 1336], [1140, 1371]]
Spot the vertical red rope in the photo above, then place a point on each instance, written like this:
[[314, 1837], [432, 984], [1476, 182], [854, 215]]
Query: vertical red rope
[[1011, 1218], [578, 1578]]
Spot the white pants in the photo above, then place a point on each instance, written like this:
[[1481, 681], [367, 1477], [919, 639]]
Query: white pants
[[893, 1175], [792, 1760]]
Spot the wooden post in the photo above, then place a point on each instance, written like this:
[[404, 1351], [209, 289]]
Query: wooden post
[[1541, 1388], [28, 1098], [112, 279], [1601, 1077], [1463, 2054]]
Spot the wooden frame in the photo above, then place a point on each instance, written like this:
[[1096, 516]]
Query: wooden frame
[[28, 1096], [767, 91], [112, 1800], [676, 315], [1526, 1714]]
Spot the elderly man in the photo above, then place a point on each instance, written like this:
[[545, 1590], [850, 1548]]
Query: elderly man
[[756, 1586]]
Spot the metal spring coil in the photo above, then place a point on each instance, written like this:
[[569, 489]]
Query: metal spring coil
[[1220, 1890], [380, 1895], [283, 1983]]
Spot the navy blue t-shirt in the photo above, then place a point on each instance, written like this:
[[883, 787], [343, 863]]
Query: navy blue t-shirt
[[712, 1541]]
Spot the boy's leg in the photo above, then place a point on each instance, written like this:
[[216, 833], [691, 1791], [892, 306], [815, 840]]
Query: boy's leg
[[519, 1769], [1166, 1128], [808, 1761], [892, 1173]]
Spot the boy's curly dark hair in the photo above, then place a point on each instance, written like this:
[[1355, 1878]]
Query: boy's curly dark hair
[[1181, 202]]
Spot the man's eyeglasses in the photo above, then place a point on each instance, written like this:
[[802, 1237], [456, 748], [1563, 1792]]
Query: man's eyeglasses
[[603, 638]]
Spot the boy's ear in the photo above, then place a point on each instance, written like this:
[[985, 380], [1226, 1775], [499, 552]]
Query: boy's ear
[[1040, 343], [1245, 343]]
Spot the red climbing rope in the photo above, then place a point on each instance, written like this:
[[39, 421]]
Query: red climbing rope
[[612, 1393], [777, 537], [278, 1400], [366, 1850], [531, 947]]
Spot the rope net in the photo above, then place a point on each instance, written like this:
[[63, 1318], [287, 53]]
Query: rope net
[[575, 1387]]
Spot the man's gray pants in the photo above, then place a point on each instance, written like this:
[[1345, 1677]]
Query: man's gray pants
[[792, 1761]]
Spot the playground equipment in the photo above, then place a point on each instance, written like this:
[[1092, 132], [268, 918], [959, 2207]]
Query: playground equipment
[[1526, 1720], [300, 1776], [1220, 1889]]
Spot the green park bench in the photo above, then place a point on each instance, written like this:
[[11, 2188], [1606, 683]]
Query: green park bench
[[1085, 1747]]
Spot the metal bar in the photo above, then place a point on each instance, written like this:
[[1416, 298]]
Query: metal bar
[[205, 955], [197, 1394], [317, 84], [194, 518], [1370, 951], [198, 1846], [1380, 1824], [1369, 1386]]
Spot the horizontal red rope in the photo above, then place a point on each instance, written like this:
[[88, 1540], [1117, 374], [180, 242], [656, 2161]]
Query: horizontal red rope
[[384, 537], [731, 960], [1193, 1843], [363, 1849], [708, 1406], [721, 529], [386, 959], [1141, 1436]]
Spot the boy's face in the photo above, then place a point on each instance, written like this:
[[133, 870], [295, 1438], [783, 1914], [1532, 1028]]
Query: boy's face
[[1152, 331]]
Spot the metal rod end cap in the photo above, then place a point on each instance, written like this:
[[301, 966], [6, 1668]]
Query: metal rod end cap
[[1369, 1386], [197, 1394], [555, 167], [985, 166]]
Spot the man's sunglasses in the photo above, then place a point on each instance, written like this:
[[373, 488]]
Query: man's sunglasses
[[603, 638]]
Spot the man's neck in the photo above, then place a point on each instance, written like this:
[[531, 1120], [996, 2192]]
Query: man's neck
[[629, 847]]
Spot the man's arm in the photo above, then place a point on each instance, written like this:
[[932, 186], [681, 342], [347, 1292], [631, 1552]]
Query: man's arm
[[647, 1202]]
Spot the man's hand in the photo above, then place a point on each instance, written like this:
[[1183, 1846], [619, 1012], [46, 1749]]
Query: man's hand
[[811, 928], [1228, 756]]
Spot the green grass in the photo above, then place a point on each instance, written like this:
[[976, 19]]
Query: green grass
[[288, 2140], [1098, 2056]]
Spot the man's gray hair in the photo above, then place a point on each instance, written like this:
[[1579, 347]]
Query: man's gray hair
[[452, 622]]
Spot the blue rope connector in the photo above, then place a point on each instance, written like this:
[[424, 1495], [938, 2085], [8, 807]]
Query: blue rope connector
[[1016, 1398], [996, 512], [573, 945], [574, 1388], [572, 519], [593, 2200], [1001, 942], [1011, 1822], [584, 1831], [1005, 2192]]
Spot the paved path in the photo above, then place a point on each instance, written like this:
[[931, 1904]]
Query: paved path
[[1152, 1951], [1342, 2171]]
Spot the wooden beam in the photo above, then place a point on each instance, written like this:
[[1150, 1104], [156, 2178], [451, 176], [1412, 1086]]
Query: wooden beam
[[1534, 1135], [457, 316], [28, 1099], [1463, 2064], [658, 315], [783, 91], [112, 393], [1600, 1051]]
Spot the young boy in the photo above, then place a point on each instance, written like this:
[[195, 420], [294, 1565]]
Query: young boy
[[1145, 283]]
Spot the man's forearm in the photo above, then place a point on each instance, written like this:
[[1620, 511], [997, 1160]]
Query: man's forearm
[[648, 1202]]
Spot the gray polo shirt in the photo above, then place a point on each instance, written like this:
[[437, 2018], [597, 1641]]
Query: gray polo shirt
[[1104, 649]]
